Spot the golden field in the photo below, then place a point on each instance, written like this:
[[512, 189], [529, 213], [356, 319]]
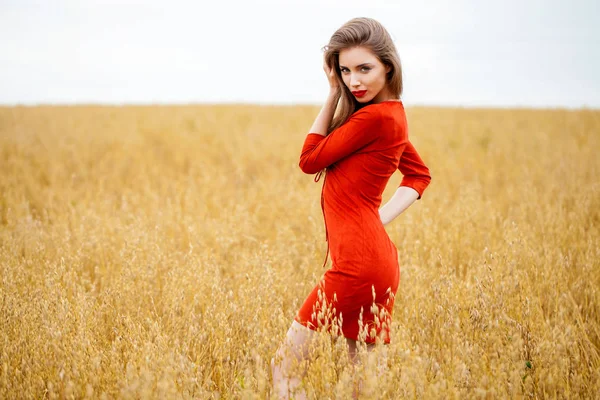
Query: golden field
[[162, 252]]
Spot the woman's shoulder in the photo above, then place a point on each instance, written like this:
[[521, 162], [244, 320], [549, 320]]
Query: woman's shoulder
[[385, 110], [380, 108]]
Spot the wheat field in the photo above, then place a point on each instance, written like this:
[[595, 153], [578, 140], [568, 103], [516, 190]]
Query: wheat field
[[162, 252]]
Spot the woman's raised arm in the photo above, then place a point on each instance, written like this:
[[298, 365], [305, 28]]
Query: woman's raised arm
[[318, 152]]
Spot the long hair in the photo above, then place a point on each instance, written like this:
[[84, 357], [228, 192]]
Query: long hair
[[368, 33]]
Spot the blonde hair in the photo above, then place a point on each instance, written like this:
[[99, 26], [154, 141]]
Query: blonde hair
[[368, 33]]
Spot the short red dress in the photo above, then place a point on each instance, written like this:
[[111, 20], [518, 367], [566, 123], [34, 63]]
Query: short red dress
[[355, 297]]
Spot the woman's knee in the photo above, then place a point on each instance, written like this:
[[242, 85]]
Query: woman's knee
[[296, 343]]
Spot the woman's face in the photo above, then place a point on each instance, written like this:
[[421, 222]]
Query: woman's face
[[364, 74]]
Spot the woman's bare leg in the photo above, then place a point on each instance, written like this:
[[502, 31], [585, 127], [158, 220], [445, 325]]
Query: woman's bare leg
[[355, 359], [293, 351]]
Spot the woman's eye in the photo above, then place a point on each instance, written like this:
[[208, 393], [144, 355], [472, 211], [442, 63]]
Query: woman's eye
[[363, 69]]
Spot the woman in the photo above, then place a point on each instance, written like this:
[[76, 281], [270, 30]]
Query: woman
[[361, 147]]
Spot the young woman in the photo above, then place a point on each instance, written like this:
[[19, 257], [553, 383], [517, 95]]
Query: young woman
[[360, 147]]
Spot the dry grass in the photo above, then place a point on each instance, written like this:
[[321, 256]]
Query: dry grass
[[162, 252]]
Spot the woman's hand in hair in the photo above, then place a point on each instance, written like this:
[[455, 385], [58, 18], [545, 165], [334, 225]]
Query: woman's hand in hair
[[333, 82]]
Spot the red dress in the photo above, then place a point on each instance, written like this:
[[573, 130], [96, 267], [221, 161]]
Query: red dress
[[355, 297]]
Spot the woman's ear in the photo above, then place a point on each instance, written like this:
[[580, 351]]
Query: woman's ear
[[388, 68]]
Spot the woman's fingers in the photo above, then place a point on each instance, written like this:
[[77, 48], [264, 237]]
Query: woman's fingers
[[330, 75]]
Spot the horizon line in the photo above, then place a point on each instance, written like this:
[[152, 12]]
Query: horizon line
[[287, 104]]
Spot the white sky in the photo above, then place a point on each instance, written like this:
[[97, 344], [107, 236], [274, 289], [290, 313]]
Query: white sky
[[462, 52]]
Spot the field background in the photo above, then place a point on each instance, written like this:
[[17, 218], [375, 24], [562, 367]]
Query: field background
[[162, 252]]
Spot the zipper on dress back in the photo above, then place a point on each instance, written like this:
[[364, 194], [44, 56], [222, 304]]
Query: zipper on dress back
[[317, 177]]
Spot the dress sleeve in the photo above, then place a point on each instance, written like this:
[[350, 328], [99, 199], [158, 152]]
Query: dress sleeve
[[319, 151], [416, 174]]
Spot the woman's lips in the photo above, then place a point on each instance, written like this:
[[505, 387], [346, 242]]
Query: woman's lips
[[359, 93]]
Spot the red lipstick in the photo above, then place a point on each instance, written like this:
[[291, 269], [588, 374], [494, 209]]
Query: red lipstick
[[359, 93]]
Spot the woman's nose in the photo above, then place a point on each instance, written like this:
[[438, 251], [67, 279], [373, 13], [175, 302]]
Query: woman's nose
[[354, 81]]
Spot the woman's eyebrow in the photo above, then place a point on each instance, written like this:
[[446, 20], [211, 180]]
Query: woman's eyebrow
[[360, 65]]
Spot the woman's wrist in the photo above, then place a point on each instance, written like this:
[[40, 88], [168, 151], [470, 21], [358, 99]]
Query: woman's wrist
[[334, 93], [332, 100], [326, 114]]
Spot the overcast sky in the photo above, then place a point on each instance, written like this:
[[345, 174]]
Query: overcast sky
[[460, 52]]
